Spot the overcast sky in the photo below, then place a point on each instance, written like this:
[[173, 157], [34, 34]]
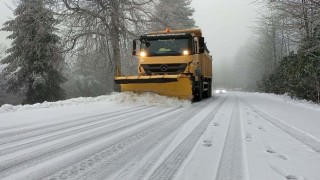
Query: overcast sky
[[5, 14], [224, 23]]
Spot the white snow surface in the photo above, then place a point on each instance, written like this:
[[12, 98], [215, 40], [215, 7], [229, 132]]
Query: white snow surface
[[129, 136], [286, 98], [148, 99], [2, 66]]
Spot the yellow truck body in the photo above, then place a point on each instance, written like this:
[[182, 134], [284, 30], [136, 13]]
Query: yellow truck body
[[173, 63]]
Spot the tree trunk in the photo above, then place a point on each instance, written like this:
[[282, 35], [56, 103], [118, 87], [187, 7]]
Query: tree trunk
[[115, 41], [306, 22]]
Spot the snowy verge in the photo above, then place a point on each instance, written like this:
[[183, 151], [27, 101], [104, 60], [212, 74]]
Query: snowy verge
[[287, 98], [128, 98], [303, 137], [2, 66]]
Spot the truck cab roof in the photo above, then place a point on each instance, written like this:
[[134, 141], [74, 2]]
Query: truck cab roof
[[193, 32]]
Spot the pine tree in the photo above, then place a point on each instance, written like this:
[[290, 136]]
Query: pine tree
[[175, 14], [34, 55]]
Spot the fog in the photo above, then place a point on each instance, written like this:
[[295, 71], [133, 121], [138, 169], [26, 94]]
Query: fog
[[6, 14], [226, 26]]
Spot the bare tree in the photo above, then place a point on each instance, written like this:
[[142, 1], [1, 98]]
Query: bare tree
[[105, 26], [297, 28], [271, 40], [301, 17]]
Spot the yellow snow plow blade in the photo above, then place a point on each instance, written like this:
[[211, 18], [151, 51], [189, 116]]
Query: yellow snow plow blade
[[168, 85]]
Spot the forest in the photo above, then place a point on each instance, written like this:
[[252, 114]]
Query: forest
[[292, 28], [72, 48], [283, 54], [63, 49]]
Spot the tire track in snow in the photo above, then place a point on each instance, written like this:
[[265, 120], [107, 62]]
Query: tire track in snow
[[147, 144], [233, 165], [15, 134], [286, 159], [78, 130], [168, 168], [145, 162], [301, 136], [138, 148], [26, 160]]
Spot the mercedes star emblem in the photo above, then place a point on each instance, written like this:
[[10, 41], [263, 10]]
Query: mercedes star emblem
[[164, 67]]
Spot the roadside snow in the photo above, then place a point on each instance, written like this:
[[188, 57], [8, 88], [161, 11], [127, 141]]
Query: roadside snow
[[2, 66], [128, 98], [129, 136], [286, 98], [303, 116]]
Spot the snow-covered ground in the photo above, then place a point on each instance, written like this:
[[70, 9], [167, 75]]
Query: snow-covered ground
[[2, 66], [129, 136]]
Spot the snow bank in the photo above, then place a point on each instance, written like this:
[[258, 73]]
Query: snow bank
[[304, 137], [128, 98], [289, 99], [147, 99], [2, 66]]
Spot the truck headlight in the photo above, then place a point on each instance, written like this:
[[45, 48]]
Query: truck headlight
[[143, 54], [185, 52]]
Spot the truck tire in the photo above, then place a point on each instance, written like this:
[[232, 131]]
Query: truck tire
[[206, 93], [198, 91], [210, 88]]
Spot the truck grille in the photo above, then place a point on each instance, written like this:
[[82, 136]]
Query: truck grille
[[164, 68]]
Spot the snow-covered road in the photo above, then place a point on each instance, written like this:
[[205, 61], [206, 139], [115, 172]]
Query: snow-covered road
[[230, 136]]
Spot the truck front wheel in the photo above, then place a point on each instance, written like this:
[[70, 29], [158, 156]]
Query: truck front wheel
[[198, 91]]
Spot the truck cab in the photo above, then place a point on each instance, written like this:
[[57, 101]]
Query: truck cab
[[173, 55]]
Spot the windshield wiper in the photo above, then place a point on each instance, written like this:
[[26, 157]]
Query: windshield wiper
[[144, 40]]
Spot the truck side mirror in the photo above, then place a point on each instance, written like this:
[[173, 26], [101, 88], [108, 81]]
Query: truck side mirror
[[201, 45], [134, 47]]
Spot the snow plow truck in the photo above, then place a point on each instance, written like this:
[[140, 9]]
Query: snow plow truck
[[173, 63]]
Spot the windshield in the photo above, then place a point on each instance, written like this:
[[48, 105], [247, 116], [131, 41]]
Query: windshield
[[165, 47]]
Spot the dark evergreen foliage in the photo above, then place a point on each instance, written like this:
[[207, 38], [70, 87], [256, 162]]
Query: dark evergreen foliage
[[34, 55], [299, 75], [175, 14]]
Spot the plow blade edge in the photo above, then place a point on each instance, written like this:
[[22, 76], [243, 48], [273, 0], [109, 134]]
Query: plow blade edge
[[166, 85]]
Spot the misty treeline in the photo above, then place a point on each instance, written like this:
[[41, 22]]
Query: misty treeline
[[284, 55], [71, 48]]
